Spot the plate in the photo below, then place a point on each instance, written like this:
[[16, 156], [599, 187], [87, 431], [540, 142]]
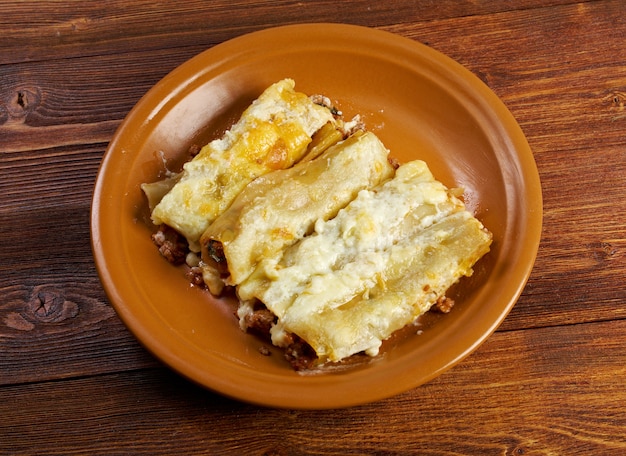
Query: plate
[[422, 105]]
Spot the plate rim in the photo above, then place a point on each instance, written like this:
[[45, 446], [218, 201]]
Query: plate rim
[[230, 386]]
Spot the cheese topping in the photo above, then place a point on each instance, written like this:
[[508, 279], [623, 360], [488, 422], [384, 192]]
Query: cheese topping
[[347, 287], [340, 247], [280, 208], [273, 133]]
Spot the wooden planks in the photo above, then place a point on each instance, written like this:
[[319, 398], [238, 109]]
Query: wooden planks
[[75, 381], [51, 151], [521, 393], [35, 31]]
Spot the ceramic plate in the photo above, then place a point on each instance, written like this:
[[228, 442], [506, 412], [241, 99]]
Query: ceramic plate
[[420, 103]]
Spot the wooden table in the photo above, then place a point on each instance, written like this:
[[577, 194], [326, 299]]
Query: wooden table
[[550, 381]]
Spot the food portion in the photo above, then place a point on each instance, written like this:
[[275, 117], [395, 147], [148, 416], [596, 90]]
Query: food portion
[[280, 208], [273, 133], [385, 259], [331, 248]]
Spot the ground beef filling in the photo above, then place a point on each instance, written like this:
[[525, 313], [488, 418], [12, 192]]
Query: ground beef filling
[[299, 354], [443, 305], [215, 250], [171, 244], [174, 248]]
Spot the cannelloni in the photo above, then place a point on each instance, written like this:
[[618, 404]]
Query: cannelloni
[[327, 242], [385, 259], [278, 209], [273, 133]]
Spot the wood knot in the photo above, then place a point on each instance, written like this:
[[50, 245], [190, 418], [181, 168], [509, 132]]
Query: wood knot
[[48, 305], [616, 100], [602, 251], [23, 101]]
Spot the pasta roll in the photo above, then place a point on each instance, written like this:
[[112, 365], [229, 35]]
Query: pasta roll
[[273, 133], [280, 208], [326, 283], [411, 276]]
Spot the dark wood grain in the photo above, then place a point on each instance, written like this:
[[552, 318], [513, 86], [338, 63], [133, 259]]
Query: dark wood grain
[[73, 380], [547, 399], [35, 30]]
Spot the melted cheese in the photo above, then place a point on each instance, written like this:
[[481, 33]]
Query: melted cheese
[[343, 250], [273, 133], [381, 262], [281, 207]]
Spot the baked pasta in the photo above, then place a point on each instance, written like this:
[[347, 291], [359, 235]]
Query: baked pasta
[[273, 133], [384, 260], [280, 208], [329, 245]]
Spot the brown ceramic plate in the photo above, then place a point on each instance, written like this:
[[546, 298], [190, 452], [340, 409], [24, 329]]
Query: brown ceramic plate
[[419, 102]]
